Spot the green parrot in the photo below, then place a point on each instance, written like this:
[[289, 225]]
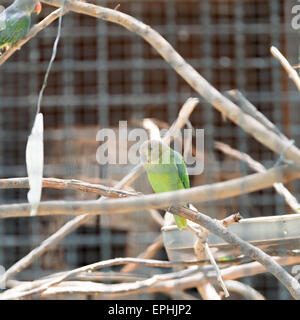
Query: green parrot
[[166, 170], [15, 21]]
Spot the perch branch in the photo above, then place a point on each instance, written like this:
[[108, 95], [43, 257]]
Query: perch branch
[[215, 191]]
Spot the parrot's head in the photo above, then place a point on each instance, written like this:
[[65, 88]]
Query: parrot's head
[[29, 6], [154, 152]]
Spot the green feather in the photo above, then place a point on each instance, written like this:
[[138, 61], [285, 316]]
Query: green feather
[[182, 170], [17, 27], [169, 176]]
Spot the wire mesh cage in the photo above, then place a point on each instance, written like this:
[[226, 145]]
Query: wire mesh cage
[[104, 74]]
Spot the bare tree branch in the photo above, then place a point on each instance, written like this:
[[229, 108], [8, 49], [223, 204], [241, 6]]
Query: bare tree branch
[[244, 290], [249, 108], [215, 191], [21, 289], [256, 166], [54, 183], [292, 73]]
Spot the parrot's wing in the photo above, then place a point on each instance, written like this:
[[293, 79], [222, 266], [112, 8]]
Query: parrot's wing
[[182, 170], [184, 177], [17, 26]]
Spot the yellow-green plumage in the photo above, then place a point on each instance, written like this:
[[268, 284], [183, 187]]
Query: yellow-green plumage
[[15, 21], [165, 175]]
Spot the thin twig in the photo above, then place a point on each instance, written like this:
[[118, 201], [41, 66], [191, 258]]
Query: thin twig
[[292, 73], [206, 290], [182, 119], [234, 218], [72, 184], [213, 262], [254, 268], [257, 166], [249, 108]]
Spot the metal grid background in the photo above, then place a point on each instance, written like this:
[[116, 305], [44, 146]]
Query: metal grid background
[[103, 74]]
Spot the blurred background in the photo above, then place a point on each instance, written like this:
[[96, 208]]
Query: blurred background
[[103, 74]]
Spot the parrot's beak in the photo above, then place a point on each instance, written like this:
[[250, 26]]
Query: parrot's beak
[[38, 8]]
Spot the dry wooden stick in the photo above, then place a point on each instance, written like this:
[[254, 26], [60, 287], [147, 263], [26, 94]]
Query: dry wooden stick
[[249, 108], [244, 290], [56, 278], [176, 284], [198, 279], [257, 166], [292, 73], [206, 290], [73, 224], [254, 268], [54, 183], [201, 246], [187, 72], [15, 294], [182, 119], [215, 191], [109, 276], [31, 34]]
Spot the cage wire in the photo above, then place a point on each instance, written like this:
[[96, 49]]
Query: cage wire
[[103, 74]]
